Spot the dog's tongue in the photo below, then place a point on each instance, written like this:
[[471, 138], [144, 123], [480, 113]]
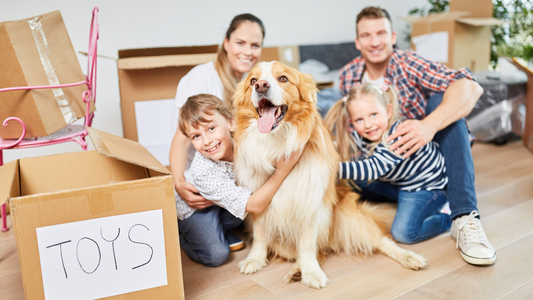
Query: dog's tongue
[[266, 121]]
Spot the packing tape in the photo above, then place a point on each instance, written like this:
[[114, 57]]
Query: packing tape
[[44, 54]]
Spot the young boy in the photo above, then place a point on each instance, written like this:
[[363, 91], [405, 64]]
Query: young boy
[[204, 233]]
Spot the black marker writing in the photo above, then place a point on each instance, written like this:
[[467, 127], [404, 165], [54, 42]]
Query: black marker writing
[[112, 245], [99, 254], [129, 236], [61, 253]]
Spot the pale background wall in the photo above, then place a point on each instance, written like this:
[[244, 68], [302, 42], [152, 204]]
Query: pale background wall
[[160, 23]]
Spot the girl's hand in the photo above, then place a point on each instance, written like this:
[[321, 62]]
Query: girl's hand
[[285, 164]]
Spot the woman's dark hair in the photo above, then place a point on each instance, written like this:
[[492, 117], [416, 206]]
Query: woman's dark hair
[[227, 76]]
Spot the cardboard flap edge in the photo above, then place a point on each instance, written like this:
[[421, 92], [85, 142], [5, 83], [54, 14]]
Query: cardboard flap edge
[[145, 159], [480, 21], [153, 62], [7, 174]]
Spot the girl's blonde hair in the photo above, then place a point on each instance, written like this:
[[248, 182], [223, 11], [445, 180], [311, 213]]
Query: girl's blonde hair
[[224, 69], [338, 123]]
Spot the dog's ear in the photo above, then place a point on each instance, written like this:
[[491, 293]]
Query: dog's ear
[[307, 87], [239, 98]]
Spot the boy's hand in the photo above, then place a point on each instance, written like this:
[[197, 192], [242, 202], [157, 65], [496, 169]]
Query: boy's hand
[[285, 164], [190, 195]]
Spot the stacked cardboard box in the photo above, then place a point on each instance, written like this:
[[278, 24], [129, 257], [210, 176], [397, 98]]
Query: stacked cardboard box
[[33, 52], [467, 27]]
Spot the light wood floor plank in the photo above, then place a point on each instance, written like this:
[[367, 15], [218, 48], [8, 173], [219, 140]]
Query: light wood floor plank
[[523, 292], [244, 290], [512, 270]]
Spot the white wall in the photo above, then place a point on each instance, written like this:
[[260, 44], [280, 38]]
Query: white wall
[[159, 23]]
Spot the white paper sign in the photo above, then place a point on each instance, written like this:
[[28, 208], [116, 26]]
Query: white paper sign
[[103, 257], [433, 46], [154, 129]]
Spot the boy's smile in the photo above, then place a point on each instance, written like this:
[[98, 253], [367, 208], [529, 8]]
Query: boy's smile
[[213, 139]]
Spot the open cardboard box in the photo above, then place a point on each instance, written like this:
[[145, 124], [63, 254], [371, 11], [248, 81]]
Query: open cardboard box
[[37, 51], [148, 79], [467, 26], [95, 224]]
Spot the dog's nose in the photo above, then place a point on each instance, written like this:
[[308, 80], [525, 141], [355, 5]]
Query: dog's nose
[[261, 86]]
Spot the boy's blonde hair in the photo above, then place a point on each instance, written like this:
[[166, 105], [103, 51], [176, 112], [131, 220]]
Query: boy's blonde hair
[[197, 107], [337, 119]]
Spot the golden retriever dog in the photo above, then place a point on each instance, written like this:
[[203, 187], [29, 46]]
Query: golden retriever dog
[[309, 215]]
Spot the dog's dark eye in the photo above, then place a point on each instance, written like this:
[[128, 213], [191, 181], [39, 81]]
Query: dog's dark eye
[[253, 81], [283, 79]]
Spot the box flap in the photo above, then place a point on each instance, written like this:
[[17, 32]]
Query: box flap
[[7, 180], [477, 8], [521, 67], [480, 21], [152, 62], [437, 17], [125, 150]]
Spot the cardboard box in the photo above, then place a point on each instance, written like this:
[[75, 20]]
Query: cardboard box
[[152, 74], [148, 79], [527, 136], [467, 26], [289, 55], [38, 51], [95, 224]]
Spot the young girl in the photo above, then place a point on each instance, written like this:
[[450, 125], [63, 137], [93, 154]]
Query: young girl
[[204, 233], [360, 123]]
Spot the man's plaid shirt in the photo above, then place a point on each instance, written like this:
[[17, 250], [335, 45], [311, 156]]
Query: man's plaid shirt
[[414, 77]]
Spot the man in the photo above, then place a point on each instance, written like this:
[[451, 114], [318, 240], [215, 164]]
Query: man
[[434, 101]]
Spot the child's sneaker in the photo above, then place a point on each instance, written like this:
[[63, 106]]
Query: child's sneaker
[[234, 242], [472, 241]]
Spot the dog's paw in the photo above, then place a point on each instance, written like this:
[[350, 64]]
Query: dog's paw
[[316, 279], [294, 275], [413, 261], [250, 266]]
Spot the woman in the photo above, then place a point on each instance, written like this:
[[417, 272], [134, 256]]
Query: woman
[[239, 52]]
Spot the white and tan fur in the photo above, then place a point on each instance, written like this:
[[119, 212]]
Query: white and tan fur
[[305, 218]]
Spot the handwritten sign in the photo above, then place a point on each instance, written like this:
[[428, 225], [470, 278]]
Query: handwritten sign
[[103, 257]]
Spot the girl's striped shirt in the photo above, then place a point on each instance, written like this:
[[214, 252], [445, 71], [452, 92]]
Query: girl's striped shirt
[[423, 170]]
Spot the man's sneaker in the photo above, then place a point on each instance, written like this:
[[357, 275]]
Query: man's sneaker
[[472, 241], [234, 242]]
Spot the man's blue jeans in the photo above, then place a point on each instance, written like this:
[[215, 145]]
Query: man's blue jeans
[[455, 146], [202, 235], [418, 217]]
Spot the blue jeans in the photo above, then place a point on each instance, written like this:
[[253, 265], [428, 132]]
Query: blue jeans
[[202, 235], [418, 217], [455, 146]]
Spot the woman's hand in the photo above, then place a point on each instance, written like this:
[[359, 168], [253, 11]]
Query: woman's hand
[[285, 164], [190, 195]]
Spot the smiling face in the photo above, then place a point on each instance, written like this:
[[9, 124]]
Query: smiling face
[[213, 139], [375, 39], [244, 47], [369, 117]]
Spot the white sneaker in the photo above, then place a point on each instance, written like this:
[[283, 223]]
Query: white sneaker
[[472, 241]]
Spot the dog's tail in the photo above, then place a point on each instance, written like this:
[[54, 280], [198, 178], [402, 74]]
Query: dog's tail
[[358, 226]]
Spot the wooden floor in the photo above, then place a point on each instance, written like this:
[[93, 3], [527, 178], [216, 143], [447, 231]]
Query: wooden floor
[[504, 184]]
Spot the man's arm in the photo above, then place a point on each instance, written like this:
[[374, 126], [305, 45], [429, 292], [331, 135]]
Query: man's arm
[[457, 102]]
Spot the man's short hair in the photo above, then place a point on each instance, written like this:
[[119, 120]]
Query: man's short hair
[[372, 12]]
